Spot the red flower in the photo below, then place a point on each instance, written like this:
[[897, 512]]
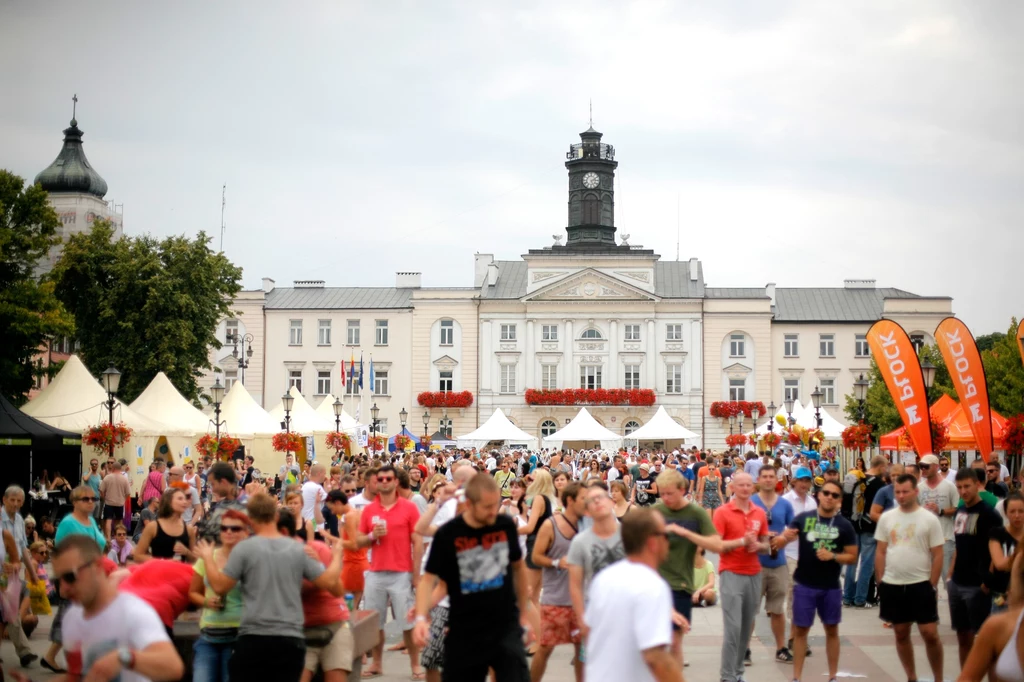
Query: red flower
[[736, 440], [338, 441], [100, 437], [402, 442], [723, 409], [1013, 439], [462, 399], [640, 397], [940, 437], [376, 443], [771, 440], [857, 437], [287, 442]]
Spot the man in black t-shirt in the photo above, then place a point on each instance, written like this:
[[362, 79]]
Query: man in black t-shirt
[[969, 600], [645, 490], [477, 555]]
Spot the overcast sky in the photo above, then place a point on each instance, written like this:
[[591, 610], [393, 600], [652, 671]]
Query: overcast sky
[[803, 142]]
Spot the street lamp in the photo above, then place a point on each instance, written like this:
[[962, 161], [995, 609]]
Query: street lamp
[[374, 413], [111, 380], [426, 426], [444, 422], [732, 423], [816, 400], [338, 408], [788, 403], [287, 401], [860, 392], [755, 413], [217, 395], [928, 370], [243, 362], [771, 416]]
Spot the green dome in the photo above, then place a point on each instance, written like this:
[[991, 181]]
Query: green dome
[[70, 171]]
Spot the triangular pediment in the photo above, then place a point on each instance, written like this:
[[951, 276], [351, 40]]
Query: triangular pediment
[[590, 285], [737, 369], [446, 362]]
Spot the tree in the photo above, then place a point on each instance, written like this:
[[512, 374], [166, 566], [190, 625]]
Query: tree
[[880, 410], [146, 306], [1005, 373], [29, 312], [987, 341]]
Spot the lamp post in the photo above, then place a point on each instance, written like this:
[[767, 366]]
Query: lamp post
[[732, 424], [771, 416], [287, 401], [788, 403], [246, 358], [374, 413], [426, 426], [816, 400], [860, 392], [217, 395], [402, 417], [111, 381], [444, 422], [755, 413], [338, 408], [928, 370]]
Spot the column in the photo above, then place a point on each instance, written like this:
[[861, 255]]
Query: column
[[486, 357], [612, 373], [652, 357], [529, 356], [568, 361]]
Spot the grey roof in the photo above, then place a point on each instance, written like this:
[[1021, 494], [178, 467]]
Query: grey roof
[[820, 304], [735, 292], [671, 280], [350, 298], [511, 280], [70, 171]]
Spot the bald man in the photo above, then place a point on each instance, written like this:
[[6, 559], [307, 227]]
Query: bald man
[[314, 495]]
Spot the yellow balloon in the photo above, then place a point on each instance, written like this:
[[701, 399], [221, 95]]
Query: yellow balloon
[[781, 419]]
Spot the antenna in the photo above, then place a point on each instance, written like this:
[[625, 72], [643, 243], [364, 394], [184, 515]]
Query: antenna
[[677, 226], [223, 202], [591, 113]]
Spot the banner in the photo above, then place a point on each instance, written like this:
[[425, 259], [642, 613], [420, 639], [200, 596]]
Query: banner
[[1020, 338], [963, 360], [901, 370]]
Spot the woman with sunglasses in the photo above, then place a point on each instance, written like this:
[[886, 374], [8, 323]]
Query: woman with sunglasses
[[222, 615], [170, 537]]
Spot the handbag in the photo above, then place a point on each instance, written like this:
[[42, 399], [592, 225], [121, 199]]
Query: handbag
[[38, 599], [320, 636]]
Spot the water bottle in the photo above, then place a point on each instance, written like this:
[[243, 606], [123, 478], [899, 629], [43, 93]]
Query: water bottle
[[350, 602]]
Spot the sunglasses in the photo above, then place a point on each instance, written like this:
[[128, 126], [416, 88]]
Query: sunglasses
[[231, 529], [834, 496], [386, 479], [349, 491], [188, 468], [72, 576], [86, 498]]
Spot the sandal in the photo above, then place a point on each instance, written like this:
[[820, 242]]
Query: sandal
[[367, 674], [52, 668]]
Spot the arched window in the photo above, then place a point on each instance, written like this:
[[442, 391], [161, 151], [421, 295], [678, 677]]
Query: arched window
[[547, 427], [591, 334], [591, 210], [630, 426]]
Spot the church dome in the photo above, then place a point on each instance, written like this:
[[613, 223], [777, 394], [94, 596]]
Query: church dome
[[71, 171]]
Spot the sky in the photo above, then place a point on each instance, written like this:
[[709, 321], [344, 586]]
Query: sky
[[801, 143]]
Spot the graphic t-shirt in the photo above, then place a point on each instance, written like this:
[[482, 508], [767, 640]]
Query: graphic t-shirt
[[972, 528], [677, 569], [944, 495], [833, 534], [476, 566], [643, 486], [595, 553], [127, 621], [909, 538]]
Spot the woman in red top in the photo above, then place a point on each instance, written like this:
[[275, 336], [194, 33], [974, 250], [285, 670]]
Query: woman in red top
[[155, 483]]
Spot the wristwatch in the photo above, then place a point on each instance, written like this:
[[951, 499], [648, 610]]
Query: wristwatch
[[126, 657]]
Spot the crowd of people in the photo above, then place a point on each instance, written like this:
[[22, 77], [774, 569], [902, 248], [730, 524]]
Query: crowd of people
[[491, 560]]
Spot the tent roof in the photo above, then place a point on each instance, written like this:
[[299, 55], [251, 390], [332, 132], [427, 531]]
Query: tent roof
[[74, 401], [242, 416], [326, 409], [951, 413], [583, 427], [497, 427], [763, 428], [162, 401], [404, 432], [305, 419], [17, 425], [662, 427], [832, 427]]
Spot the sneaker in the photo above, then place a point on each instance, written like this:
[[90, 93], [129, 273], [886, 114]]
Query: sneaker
[[747, 660], [783, 655], [865, 605], [847, 603], [789, 645]]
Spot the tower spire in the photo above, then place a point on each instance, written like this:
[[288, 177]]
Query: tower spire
[[591, 112], [74, 106]]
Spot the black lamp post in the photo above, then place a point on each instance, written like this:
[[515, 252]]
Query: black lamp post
[[217, 395], [816, 400], [755, 413], [287, 401], [928, 370], [444, 421], [402, 417], [860, 392], [788, 403], [111, 380], [732, 424], [426, 426], [374, 413], [338, 408], [246, 358], [771, 416]]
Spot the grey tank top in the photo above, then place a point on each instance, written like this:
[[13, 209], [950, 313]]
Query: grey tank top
[[555, 590]]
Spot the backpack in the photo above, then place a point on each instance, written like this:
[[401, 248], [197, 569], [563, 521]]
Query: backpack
[[853, 496]]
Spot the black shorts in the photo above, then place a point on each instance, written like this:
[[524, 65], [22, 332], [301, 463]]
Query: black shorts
[[914, 603], [468, 657], [682, 601], [113, 513], [968, 607]]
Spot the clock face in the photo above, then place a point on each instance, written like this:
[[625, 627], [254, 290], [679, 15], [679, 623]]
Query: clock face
[[590, 180]]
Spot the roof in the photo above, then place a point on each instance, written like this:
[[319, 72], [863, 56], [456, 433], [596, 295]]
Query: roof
[[16, 425], [671, 280], [735, 292], [70, 171], [821, 304], [511, 280], [344, 298]]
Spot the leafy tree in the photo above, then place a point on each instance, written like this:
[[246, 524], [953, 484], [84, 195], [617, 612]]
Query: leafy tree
[[146, 306], [987, 341], [29, 312], [1005, 373]]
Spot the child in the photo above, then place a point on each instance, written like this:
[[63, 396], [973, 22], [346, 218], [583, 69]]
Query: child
[[705, 578]]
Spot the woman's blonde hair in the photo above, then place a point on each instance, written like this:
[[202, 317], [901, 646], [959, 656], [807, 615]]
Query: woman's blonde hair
[[432, 487], [542, 485]]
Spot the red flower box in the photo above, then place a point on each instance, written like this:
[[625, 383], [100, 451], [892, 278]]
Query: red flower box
[[221, 450], [857, 437], [460, 400], [402, 442], [101, 437], [637, 397], [940, 436], [723, 409], [736, 440], [338, 441], [771, 440], [1013, 439], [376, 443], [287, 442]]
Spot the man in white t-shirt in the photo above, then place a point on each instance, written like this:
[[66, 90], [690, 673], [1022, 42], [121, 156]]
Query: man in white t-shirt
[[369, 492], [629, 609], [108, 635], [314, 495], [491, 463], [940, 497]]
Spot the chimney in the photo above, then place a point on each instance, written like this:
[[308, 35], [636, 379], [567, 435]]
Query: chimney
[[308, 284], [769, 290], [694, 269], [407, 280], [480, 263], [492, 274], [268, 285], [858, 284]]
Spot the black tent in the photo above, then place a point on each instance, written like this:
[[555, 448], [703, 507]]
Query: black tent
[[27, 446]]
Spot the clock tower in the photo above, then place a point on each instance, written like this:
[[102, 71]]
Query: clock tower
[[591, 165]]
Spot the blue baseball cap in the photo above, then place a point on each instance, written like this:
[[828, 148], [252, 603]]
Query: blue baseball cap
[[802, 472]]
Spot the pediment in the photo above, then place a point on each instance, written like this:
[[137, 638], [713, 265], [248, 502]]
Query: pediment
[[736, 370], [446, 362], [590, 285]]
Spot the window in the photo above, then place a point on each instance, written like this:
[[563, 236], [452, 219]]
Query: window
[[591, 334], [323, 382], [380, 382], [447, 333], [827, 345], [632, 378], [382, 333], [549, 332], [547, 427], [323, 333], [353, 333], [860, 346], [632, 332], [673, 332], [792, 389], [230, 377], [295, 333], [828, 388], [549, 377], [351, 384], [295, 379], [445, 427], [791, 346], [630, 426], [737, 389], [917, 341], [590, 376], [447, 380], [508, 378], [230, 331], [737, 346], [382, 425], [508, 332], [674, 379]]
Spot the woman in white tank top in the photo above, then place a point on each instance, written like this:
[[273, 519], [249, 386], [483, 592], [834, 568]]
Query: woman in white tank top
[[998, 649]]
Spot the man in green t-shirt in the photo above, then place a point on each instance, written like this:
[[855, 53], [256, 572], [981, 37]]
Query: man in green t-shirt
[[505, 477], [682, 518]]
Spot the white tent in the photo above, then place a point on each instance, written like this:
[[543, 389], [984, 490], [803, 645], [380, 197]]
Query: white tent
[[763, 428], [663, 428], [161, 401], [304, 419], [498, 427], [584, 429], [830, 426], [326, 410], [242, 417]]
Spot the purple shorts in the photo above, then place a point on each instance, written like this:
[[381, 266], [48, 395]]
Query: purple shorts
[[807, 601]]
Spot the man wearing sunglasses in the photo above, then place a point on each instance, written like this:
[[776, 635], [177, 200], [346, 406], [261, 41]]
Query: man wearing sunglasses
[[108, 635]]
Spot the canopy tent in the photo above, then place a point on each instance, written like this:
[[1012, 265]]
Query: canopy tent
[[304, 419], [763, 428], [496, 428], [326, 410], [830, 426], [440, 440], [583, 430], [403, 432], [662, 427], [162, 401], [958, 428], [27, 446], [250, 423]]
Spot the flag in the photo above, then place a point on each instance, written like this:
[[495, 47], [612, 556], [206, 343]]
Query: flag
[[360, 371], [342, 376], [960, 352], [373, 386], [352, 367], [901, 369]]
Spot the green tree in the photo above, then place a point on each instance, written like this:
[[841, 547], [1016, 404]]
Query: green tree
[[1005, 373], [146, 306], [29, 312], [987, 341]]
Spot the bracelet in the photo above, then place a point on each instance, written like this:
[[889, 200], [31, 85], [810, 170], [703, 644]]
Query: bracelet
[[420, 619]]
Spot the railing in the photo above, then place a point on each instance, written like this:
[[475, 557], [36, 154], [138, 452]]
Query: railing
[[581, 150]]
